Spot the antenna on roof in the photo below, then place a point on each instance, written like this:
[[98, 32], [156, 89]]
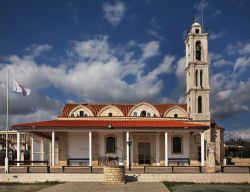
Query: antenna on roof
[[202, 17]]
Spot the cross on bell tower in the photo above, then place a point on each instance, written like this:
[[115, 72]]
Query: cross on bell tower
[[197, 73]]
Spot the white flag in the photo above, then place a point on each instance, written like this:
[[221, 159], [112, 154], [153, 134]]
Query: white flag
[[17, 88], [2, 85]]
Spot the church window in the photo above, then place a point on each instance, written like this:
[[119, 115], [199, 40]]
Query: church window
[[110, 114], [143, 113], [110, 145], [175, 115], [177, 144], [72, 115], [199, 104], [148, 114], [135, 114], [196, 78], [201, 74], [197, 31], [198, 50], [81, 113]]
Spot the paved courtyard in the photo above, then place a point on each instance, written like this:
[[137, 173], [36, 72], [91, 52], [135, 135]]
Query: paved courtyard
[[93, 187]]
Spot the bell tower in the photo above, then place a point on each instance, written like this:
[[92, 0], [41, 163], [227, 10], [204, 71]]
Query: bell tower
[[197, 73]]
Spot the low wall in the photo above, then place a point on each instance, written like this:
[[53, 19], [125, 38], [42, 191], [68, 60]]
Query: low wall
[[241, 161], [193, 178], [176, 177]]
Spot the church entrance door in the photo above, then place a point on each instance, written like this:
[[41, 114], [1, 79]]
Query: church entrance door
[[144, 152]]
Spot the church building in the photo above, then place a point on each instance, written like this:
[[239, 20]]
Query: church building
[[141, 133]]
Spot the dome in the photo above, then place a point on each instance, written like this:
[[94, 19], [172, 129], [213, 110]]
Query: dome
[[196, 24]]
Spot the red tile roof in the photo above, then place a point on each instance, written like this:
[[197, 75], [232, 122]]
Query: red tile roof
[[100, 123], [125, 108]]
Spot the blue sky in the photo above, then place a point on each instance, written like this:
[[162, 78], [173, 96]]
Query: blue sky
[[121, 51]]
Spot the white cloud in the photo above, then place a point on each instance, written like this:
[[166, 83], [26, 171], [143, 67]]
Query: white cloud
[[165, 67], [114, 13], [241, 64], [74, 11], [245, 49], [214, 36], [201, 4], [150, 49], [35, 50], [93, 49], [97, 75], [243, 134], [155, 34], [218, 60]]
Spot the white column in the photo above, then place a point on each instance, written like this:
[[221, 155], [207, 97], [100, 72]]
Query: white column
[[90, 148], [18, 146], [42, 150], [157, 150], [166, 148], [53, 149], [202, 149], [127, 147], [32, 148]]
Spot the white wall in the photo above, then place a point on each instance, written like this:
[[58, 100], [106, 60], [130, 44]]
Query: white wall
[[185, 145], [78, 145], [119, 144]]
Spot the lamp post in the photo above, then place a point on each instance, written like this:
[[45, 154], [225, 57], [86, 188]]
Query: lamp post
[[129, 143]]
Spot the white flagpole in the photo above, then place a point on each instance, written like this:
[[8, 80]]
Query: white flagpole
[[7, 126]]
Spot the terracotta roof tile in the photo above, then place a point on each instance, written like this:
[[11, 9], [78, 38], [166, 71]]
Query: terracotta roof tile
[[125, 108], [144, 124]]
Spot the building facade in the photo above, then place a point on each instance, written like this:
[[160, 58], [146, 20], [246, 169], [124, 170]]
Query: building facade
[[144, 133]]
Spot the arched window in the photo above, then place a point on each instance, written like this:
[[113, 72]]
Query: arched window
[[110, 145], [110, 114], [196, 78], [177, 144], [175, 115], [148, 114], [81, 113], [143, 113], [199, 104], [135, 114], [198, 50], [201, 74]]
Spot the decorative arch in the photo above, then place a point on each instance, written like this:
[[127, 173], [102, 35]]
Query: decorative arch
[[149, 108], [175, 110], [110, 109], [75, 112]]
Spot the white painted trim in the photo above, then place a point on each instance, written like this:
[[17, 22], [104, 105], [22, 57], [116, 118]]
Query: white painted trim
[[53, 149], [166, 148], [42, 150], [32, 148], [127, 147], [18, 146], [90, 148]]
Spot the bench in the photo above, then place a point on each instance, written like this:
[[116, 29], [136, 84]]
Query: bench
[[80, 166], [178, 161], [172, 167], [234, 167], [28, 166], [80, 161]]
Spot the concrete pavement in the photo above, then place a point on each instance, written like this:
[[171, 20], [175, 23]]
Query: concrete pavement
[[98, 187]]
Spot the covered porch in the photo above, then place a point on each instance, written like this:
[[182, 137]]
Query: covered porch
[[179, 143]]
